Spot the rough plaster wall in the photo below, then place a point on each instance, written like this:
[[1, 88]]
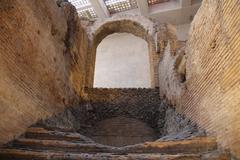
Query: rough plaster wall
[[34, 81], [211, 95], [122, 61]]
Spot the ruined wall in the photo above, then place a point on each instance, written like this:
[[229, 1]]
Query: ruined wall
[[211, 93], [76, 43], [106, 109], [36, 63], [105, 103], [121, 117], [139, 103]]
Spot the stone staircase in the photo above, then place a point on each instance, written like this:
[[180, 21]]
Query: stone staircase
[[40, 143]]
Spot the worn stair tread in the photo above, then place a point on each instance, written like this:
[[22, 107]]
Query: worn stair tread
[[7, 154], [195, 145], [54, 128], [45, 134], [60, 145]]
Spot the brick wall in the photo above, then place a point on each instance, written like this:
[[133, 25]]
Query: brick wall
[[142, 104], [36, 63], [134, 112], [211, 94]]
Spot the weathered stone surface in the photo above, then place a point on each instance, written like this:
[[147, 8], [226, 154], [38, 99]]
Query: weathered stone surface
[[22, 154], [46, 134], [46, 56], [56, 144], [140, 105], [34, 81], [211, 94], [102, 104], [76, 42], [44, 65], [75, 146], [121, 131], [190, 146], [177, 126]]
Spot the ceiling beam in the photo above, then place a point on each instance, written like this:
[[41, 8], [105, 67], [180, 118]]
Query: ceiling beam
[[143, 7], [185, 3], [100, 8]]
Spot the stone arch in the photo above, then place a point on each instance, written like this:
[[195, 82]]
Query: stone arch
[[136, 25]]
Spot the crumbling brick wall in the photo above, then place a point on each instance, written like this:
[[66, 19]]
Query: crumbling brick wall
[[40, 44], [142, 106], [211, 93]]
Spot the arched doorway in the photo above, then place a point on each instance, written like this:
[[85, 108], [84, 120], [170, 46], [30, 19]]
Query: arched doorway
[[122, 61], [132, 25]]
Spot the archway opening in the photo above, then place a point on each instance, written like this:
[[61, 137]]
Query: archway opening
[[122, 61]]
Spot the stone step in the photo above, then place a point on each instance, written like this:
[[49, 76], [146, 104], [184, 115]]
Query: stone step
[[54, 128], [59, 145], [195, 145], [19, 154], [45, 134]]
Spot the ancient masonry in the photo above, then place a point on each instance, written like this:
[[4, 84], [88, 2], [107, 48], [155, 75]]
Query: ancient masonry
[[48, 104], [116, 124]]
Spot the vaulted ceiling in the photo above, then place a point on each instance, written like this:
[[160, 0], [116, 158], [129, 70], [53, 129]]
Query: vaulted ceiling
[[171, 11]]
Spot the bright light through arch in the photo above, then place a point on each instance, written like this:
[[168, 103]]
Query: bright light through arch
[[122, 61]]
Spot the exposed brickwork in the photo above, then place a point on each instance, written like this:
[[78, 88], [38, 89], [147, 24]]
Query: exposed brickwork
[[34, 68], [45, 64], [45, 144], [211, 94], [143, 106], [46, 56]]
